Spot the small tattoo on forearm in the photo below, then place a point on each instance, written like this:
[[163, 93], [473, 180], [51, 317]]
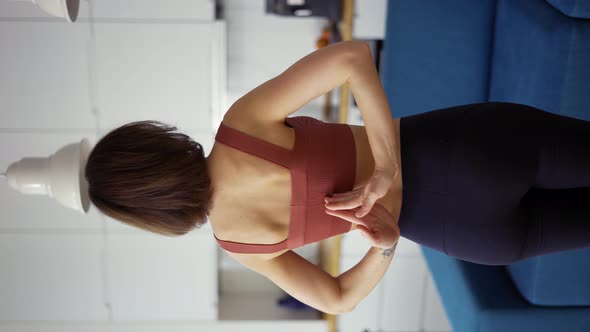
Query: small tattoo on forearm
[[389, 251]]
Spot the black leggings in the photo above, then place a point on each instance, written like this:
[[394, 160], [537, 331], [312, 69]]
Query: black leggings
[[494, 183]]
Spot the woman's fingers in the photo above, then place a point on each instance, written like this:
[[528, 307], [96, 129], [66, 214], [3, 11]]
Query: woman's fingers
[[367, 203], [342, 196], [345, 204], [339, 198], [346, 201], [377, 187], [348, 216]]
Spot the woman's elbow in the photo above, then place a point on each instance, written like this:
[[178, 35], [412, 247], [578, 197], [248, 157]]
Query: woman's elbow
[[339, 310], [348, 309], [356, 57], [359, 49], [341, 307], [358, 46], [336, 301]]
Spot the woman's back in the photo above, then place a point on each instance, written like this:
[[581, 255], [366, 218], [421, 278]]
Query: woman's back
[[252, 195]]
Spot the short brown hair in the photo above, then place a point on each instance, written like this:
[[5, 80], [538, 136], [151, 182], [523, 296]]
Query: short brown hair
[[150, 176]]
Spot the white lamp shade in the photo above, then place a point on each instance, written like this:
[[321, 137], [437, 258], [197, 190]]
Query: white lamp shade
[[60, 176], [67, 9]]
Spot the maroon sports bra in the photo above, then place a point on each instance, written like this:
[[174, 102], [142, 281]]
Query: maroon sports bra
[[322, 162]]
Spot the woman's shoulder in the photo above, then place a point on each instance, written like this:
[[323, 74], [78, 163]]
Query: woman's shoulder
[[240, 120], [273, 132]]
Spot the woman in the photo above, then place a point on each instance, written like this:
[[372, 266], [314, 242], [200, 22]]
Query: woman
[[490, 183]]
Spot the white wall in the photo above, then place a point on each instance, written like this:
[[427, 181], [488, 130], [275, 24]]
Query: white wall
[[262, 45], [122, 61]]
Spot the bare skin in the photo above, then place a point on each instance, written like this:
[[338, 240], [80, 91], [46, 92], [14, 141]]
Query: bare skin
[[251, 196]]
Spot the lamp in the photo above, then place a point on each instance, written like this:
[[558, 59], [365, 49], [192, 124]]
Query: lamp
[[60, 176], [67, 9]]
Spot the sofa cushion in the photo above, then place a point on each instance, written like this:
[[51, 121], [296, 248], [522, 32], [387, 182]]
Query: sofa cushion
[[556, 279], [541, 58], [436, 54], [484, 299], [573, 8]]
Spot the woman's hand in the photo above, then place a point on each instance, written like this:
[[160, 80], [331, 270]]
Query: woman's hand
[[377, 187], [378, 226]]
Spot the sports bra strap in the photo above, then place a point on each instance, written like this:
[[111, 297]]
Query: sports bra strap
[[253, 145], [251, 248]]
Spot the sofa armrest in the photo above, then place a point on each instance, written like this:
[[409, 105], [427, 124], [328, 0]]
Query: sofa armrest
[[436, 54], [560, 279], [484, 299], [572, 8]]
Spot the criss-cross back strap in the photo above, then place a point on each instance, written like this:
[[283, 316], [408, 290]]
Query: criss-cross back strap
[[254, 146]]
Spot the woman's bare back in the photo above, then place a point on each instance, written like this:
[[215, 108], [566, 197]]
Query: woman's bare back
[[252, 196]]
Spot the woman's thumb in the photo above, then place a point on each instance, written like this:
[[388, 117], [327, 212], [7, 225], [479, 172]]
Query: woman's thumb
[[366, 207], [364, 210]]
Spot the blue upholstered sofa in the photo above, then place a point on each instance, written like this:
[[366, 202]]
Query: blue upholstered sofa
[[440, 53]]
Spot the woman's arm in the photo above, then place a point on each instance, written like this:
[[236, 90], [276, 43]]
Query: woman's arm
[[316, 288], [313, 76], [301, 279], [305, 80], [380, 228], [370, 97], [358, 282]]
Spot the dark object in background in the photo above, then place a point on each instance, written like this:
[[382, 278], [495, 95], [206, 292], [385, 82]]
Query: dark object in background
[[325, 8], [289, 302]]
